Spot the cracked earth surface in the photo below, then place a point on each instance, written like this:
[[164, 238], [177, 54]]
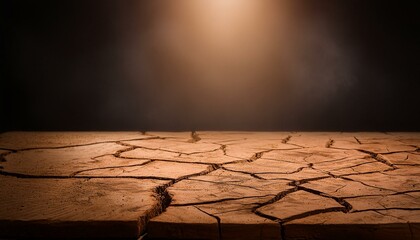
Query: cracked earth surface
[[210, 185]]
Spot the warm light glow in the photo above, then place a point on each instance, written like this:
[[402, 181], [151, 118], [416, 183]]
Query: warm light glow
[[233, 57], [224, 42], [227, 23], [223, 50]]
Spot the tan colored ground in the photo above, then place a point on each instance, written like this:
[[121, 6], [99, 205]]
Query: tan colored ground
[[210, 185]]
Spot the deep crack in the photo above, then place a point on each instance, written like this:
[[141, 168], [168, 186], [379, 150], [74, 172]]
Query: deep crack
[[357, 140], [219, 225], [287, 139], [346, 206], [276, 198], [378, 158], [329, 143], [194, 137]]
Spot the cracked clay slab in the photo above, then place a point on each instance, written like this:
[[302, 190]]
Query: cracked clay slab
[[209, 185]]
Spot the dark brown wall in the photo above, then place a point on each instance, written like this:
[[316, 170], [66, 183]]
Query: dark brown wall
[[143, 65]]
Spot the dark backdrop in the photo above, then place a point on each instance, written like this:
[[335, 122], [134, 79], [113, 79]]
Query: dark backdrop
[[134, 65]]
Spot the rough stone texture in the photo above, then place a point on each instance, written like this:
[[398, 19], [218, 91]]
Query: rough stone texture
[[80, 207], [237, 219], [186, 222], [300, 204], [28, 140], [403, 158], [210, 185], [408, 201], [361, 225], [155, 169], [174, 146], [64, 161], [221, 185]]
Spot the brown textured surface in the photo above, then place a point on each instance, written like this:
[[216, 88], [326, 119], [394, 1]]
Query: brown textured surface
[[210, 185]]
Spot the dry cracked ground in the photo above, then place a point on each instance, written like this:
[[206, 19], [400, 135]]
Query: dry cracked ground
[[210, 185]]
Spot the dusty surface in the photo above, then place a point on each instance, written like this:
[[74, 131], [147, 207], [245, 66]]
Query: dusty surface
[[210, 185]]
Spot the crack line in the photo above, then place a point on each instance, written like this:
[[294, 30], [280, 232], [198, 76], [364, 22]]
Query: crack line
[[194, 137], [79, 145], [219, 225], [101, 168], [219, 200]]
